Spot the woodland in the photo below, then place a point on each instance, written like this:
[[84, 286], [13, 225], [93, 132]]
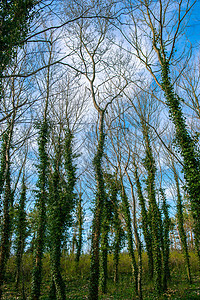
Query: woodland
[[99, 149]]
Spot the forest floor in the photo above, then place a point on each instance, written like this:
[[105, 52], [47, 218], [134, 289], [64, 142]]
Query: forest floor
[[77, 279]]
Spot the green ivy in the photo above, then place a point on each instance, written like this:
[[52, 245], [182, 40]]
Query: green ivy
[[186, 144], [97, 219], [15, 18], [60, 205], [107, 216], [154, 212], [7, 201], [41, 201], [145, 221], [166, 240], [20, 230], [128, 222], [181, 229], [80, 228]]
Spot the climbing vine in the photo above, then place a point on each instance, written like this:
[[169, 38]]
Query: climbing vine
[[181, 229], [7, 202], [127, 217], [21, 230], [41, 202], [97, 220], [145, 221], [186, 144], [166, 240], [154, 212]]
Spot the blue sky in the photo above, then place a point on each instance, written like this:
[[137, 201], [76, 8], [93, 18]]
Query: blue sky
[[193, 27]]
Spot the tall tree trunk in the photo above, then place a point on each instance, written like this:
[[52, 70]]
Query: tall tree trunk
[[117, 243], [55, 227], [138, 241], [20, 231], [127, 217], [80, 228], [166, 241], [41, 202], [191, 157], [154, 212], [97, 219], [145, 221], [183, 238], [7, 204]]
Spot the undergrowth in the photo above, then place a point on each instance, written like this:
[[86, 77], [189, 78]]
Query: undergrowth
[[76, 277]]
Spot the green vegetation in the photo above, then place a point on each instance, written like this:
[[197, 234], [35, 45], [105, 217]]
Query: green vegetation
[[77, 281], [41, 202], [15, 18]]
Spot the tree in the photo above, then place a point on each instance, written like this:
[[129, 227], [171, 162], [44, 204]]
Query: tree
[[15, 19], [90, 48], [154, 18], [41, 201], [21, 230], [42, 190], [7, 200], [166, 240], [181, 224], [80, 219]]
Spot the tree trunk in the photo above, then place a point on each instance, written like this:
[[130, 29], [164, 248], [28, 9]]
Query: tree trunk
[[97, 219]]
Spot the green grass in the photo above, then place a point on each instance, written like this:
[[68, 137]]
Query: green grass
[[77, 279]]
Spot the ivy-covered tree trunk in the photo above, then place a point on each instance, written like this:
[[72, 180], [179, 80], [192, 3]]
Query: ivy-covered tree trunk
[[145, 221], [80, 228], [137, 238], [164, 43], [114, 189], [166, 241], [104, 254], [97, 219], [181, 229], [7, 199], [117, 242], [55, 227], [41, 201], [20, 231], [154, 213], [127, 217], [189, 152], [107, 215], [60, 205]]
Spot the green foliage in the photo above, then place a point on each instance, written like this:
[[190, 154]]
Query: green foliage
[[60, 205], [20, 230], [166, 240], [154, 212], [107, 215], [117, 225], [186, 144], [3, 161], [15, 16], [69, 196], [97, 219], [55, 227], [117, 243], [41, 201], [104, 247], [181, 226], [78, 282], [7, 202], [145, 221], [127, 217], [80, 228]]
